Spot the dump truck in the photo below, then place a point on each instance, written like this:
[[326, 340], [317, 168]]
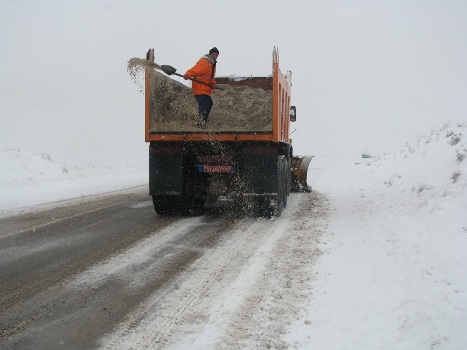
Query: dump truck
[[245, 152]]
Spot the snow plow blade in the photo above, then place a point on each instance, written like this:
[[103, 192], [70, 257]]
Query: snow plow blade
[[299, 173]]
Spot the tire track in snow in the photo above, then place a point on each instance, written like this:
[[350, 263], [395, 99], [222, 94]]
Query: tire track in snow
[[255, 278], [284, 288], [159, 318]]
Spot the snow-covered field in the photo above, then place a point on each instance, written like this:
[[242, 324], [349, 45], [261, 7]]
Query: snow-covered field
[[394, 270], [28, 180]]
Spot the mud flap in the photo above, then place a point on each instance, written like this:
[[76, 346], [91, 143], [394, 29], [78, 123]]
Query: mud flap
[[165, 174]]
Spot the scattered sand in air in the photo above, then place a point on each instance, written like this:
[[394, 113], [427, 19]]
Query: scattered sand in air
[[174, 108], [136, 68]]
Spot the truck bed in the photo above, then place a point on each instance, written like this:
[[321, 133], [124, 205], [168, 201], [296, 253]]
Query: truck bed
[[238, 108]]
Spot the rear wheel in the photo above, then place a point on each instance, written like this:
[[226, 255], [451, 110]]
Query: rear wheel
[[285, 180], [269, 207]]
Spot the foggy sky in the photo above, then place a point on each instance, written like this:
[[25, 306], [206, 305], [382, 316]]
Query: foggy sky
[[367, 75]]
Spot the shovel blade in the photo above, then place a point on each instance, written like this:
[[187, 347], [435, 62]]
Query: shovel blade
[[169, 70]]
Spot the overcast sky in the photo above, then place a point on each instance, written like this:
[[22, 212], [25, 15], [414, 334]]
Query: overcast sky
[[367, 75]]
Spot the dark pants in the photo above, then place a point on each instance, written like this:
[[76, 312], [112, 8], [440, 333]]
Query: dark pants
[[205, 105]]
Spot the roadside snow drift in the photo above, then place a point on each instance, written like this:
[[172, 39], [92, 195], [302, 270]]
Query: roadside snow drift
[[395, 272]]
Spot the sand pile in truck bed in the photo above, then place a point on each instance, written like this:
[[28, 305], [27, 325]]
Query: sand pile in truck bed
[[174, 108]]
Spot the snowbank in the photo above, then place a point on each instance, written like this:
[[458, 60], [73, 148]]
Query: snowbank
[[28, 179], [395, 272]]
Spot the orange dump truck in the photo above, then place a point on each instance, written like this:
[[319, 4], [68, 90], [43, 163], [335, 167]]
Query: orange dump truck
[[244, 153]]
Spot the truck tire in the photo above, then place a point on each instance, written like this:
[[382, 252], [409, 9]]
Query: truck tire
[[272, 207], [284, 182]]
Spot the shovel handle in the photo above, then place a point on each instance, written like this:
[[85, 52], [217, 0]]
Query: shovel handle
[[198, 81], [169, 70], [180, 75]]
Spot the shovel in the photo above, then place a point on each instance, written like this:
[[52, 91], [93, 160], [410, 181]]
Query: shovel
[[169, 70]]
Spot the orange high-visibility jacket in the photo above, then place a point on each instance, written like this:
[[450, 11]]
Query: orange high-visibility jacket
[[204, 70]]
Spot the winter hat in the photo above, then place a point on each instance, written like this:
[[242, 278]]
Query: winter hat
[[214, 50]]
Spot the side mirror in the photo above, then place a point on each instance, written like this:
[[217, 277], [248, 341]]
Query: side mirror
[[293, 113]]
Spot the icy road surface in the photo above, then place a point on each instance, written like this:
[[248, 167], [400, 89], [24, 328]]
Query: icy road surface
[[112, 274]]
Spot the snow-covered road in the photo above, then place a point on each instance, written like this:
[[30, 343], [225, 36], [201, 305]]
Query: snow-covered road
[[144, 281], [244, 292]]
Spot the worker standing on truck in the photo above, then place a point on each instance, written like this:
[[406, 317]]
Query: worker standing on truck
[[204, 72]]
